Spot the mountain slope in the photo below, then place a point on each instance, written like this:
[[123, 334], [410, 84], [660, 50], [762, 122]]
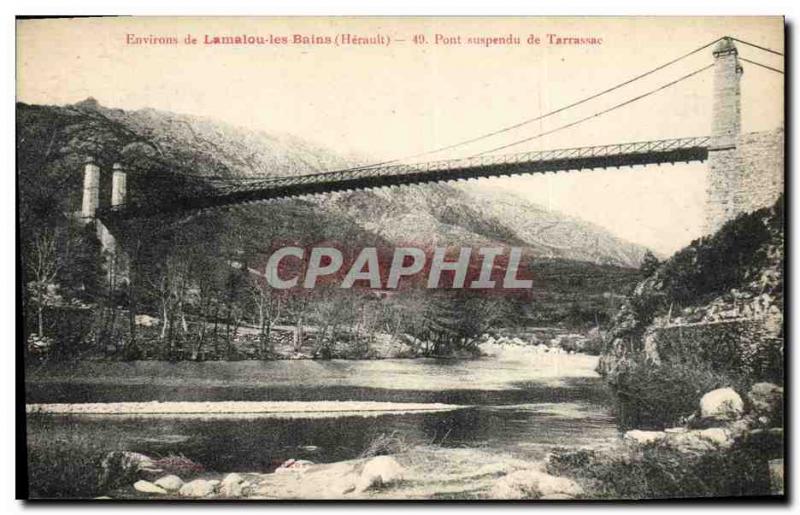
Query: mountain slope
[[451, 215], [427, 214]]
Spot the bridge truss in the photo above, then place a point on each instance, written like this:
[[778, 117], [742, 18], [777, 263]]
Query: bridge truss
[[242, 190]]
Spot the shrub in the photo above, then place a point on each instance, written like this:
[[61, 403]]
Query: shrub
[[179, 465], [725, 260], [384, 444], [658, 472], [61, 467], [656, 396]]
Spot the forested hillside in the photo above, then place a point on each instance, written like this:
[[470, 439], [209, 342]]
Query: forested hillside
[[190, 274]]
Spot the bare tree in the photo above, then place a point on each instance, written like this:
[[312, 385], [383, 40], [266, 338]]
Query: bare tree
[[268, 304], [43, 266]]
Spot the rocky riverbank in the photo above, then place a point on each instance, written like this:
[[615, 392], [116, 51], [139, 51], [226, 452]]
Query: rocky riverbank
[[418, 473], [732, 445]]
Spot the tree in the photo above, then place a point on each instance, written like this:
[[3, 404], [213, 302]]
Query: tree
[[43, 265], [268, 304], [454, 321], [649, 265]]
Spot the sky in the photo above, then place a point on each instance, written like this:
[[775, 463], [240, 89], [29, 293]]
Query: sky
[[390, 101]]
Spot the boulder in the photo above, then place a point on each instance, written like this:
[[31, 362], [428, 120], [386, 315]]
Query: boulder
[[716, 435], [700, 441], [171, 483], [198, 488], [721, 404], [377, 472], [533, 484], [146, 321], [232, 485], [146, 487], [644, 437]]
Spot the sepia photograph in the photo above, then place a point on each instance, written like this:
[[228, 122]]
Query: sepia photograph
[[400, 258]]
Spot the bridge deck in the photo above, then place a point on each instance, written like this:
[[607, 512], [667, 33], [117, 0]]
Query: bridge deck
[[255, 189]]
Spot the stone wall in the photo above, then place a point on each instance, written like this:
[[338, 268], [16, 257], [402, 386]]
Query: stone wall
[[721, 184], [744, 178], [748, 346], [761, 180]]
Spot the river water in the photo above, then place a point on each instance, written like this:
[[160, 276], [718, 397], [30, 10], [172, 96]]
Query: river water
[[516, 403]]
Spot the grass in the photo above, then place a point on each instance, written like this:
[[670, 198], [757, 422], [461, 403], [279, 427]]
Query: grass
[[64, 462]]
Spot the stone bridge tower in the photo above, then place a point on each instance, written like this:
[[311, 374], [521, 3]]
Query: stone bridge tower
[[115, 260], [723, 200]]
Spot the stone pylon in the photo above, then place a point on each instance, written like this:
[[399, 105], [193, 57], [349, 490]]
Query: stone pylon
[[116, 263], [724, 162]]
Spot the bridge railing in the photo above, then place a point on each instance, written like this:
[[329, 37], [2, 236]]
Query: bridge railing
[[639, 147], [222, 186]]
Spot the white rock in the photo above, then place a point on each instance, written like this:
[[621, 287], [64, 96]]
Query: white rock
[[197, 488], [716, 435], [232, 478], [147, 487], [232, 485], [379, 471], [146, 320], [644, 437], [700, 441], [533, 484], [170, 483], [722, 404]]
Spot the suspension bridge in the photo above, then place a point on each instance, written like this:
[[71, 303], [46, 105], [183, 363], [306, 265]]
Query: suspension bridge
[[724, 149]]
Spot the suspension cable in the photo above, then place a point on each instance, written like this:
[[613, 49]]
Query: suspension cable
[[552, 113], [761, 65], [540, 117], [595, 115], [771, 51]]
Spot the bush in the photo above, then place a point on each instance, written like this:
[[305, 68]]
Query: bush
[[659, 472], [595, 343], [179, 465], [61, 467], [655, 396], [727, 259], [385, 445]]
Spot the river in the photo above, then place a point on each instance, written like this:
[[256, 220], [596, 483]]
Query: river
[[517, 403]]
